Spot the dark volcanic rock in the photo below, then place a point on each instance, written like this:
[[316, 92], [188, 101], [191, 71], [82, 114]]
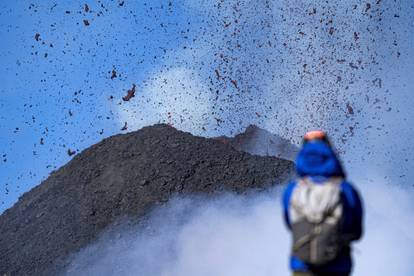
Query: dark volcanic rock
[[125, 175], [258, 141]]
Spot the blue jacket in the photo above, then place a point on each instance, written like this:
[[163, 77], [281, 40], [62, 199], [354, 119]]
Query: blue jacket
[[318, 161]]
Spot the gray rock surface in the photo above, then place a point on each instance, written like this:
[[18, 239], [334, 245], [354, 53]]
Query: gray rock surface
[[257, 141]]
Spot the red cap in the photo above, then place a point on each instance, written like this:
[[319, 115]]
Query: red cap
[[315, 135]]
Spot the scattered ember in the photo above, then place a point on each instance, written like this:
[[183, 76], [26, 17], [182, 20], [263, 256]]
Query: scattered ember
[[217, 74], [347, 57], [367, 7], [169, 118], [312, 12], [356, 36], [125, 127], [113, 76], [353, 66], [130, 93], [377, 82], [350, 109], [234, 82], [218, 120]]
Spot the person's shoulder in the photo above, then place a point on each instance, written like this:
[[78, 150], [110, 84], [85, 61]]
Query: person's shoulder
[[287, 193], [290, 186], [350, 192], [348, 187]]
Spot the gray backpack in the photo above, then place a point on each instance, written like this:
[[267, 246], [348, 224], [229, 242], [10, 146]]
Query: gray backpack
[[316, 213]]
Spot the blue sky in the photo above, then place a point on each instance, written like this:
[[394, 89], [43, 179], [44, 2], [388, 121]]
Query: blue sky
[[208, 67]]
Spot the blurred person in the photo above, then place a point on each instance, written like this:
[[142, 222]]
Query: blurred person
[[322, 211]]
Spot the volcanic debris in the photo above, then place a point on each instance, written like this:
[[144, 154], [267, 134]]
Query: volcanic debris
[[130, 93]]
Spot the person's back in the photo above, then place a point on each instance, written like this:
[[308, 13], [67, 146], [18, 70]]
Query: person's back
[[322, 210]]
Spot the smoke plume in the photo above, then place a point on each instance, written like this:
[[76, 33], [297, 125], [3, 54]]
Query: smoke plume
[[238, 235]]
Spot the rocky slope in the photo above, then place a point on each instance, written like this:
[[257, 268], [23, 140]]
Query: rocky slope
[[122, 176]]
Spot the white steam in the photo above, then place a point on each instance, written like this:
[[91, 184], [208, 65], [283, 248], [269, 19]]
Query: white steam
[[245, 235], [228, 236], [387, 246]]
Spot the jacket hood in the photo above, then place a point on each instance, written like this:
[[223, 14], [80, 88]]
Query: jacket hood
[[318, 159]]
